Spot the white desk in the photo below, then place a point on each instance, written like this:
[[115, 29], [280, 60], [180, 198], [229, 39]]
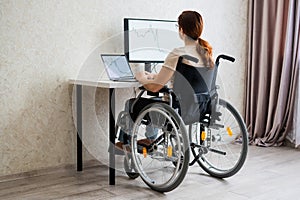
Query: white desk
[[111, 85]]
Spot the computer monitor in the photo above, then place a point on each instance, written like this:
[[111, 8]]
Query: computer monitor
[[149, 40]]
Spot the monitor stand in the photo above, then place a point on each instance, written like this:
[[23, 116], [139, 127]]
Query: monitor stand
[[148, 67]]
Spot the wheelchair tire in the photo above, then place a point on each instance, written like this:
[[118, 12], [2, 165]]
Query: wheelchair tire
[[129, 168], [229, 145], [163, 166]]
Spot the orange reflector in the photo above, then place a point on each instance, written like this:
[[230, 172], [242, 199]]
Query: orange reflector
[[203, 135], [169, 151], [144, 152], [229, 131]]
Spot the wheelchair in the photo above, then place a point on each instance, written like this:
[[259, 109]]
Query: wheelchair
[[193, 126]]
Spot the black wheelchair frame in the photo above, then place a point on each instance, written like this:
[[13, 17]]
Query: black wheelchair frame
[[218, 137]]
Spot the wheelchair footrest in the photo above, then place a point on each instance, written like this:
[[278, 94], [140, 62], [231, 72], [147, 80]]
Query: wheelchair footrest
[[216, 126], [142, 148]]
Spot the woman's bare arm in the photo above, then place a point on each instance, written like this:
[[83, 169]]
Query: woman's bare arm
[[154, 82]]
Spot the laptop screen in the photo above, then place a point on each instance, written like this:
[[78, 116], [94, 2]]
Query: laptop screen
[[116, 66]]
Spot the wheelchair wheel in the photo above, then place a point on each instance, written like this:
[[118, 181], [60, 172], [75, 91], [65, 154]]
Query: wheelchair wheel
[[163, 163], [225, 143], [129, 167]]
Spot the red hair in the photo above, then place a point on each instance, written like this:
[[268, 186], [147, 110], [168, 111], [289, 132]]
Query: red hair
[[191, 23]]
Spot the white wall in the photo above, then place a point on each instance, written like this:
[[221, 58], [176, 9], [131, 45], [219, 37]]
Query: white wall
[[44, 43]]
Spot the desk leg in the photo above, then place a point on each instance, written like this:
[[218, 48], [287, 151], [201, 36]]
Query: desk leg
[[112, 136], [79, 126]]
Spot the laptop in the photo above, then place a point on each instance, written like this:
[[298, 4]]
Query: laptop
[[117, 67]]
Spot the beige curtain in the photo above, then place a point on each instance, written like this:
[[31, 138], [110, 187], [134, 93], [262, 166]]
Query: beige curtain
[[273, 65]]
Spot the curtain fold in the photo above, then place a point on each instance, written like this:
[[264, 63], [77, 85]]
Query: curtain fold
[[296, 55], [272, 71]]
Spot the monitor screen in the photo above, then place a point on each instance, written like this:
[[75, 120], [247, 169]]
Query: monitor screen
[[149, 40]]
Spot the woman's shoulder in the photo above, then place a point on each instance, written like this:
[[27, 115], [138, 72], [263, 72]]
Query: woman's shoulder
[[191, 50], [188, 50], [180, 50]]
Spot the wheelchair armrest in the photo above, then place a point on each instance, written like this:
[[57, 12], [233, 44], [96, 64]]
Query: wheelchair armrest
[[164, 89], [143, 89]]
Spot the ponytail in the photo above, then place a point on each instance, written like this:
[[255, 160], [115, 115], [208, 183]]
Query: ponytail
[[205, 45], [205, 49]]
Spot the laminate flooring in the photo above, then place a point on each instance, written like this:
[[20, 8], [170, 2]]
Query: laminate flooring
[[269, 173]]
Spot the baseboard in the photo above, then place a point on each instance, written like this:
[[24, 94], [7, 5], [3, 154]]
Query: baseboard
[[48, 170]]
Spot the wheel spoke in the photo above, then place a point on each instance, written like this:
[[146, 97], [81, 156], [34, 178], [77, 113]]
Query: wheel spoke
[[161, 168]]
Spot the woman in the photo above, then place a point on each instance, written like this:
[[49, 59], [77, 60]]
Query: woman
[[190, 26]]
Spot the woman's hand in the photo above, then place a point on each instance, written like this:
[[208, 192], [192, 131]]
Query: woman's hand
[[154, 82], [144, 77]]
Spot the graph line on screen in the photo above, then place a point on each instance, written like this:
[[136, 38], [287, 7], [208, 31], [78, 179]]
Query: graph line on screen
[[149, 32]]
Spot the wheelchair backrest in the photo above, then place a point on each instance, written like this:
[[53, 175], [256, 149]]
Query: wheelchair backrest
[[192, 87]]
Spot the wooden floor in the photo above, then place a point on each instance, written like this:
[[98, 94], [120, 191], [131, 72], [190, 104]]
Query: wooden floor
[[269, 173]]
